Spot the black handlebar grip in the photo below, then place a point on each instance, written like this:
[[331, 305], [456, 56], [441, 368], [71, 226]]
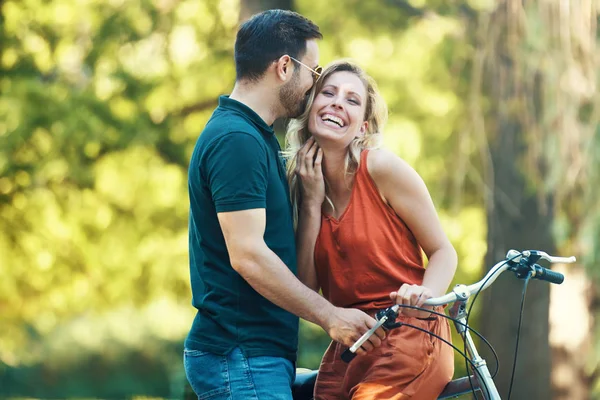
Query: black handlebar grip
[[548, 275], [347, 356]]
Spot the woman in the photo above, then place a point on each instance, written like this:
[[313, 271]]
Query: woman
[[363, 216]]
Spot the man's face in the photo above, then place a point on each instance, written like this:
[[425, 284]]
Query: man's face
[[293, 95]]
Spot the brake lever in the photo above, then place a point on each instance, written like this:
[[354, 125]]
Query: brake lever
[[390, 314], [385, 318]]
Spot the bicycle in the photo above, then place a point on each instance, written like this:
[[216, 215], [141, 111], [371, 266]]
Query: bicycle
[[523, 264]]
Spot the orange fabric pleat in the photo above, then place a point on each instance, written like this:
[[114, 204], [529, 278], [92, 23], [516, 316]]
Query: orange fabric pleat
[[409, 364]]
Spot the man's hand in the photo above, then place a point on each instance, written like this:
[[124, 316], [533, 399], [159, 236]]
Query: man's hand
[[347, 325], [412, 295]]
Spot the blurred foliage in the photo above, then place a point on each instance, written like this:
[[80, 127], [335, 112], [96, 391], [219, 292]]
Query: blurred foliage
[[101, 103]]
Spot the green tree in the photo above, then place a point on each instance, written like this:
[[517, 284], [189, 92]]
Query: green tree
[[97, 120], [538, 71], [102, 103]]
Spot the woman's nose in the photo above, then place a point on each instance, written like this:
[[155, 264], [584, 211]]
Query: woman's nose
[[337, 102]]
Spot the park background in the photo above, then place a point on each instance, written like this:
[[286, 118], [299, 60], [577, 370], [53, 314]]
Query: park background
[[495, 103]]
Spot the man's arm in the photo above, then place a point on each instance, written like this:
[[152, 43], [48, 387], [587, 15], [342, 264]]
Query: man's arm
[[269, 276]]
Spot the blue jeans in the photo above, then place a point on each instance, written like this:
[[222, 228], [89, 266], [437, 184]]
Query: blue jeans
[[235, 376]]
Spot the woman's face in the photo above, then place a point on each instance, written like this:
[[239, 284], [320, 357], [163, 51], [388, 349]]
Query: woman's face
[[337, 113]]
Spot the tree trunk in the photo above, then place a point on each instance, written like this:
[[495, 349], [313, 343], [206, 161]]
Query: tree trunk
[[540, 74], [516, 222], [518, 217]]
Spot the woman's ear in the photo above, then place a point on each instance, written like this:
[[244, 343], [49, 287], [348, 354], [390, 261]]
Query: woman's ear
[[363, 128]]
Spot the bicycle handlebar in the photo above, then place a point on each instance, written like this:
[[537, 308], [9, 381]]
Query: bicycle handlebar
[[516, 256], [515, 260], [522, 263]]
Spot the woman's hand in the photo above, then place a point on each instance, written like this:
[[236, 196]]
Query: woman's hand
[[309, 170], [412, 295]]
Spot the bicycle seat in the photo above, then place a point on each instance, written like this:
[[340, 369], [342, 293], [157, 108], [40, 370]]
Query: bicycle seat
[[302, 388], [458, 387]]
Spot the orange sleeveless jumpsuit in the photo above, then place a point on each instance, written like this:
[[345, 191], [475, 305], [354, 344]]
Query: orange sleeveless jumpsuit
[[360, 258]]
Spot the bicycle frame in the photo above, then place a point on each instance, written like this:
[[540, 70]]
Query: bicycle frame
[[524, 265], [482, 379]]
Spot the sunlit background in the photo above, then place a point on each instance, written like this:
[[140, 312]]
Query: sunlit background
[[495, 104]]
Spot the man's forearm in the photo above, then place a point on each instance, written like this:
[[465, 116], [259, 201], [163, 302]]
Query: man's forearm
[[270, 277]]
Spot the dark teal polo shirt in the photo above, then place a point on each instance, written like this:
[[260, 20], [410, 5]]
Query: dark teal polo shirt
[[236, 165]]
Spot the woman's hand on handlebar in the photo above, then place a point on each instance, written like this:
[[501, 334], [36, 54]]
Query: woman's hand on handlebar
[[412, 295]]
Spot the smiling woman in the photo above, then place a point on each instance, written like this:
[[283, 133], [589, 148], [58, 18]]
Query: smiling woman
[[362, 101], [362, 211], [339, 106]]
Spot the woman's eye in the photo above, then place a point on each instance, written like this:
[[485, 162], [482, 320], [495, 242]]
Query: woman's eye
[[327, 93], [355, 102]]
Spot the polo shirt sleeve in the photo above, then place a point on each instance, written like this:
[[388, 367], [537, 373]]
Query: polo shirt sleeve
[[236, 169]]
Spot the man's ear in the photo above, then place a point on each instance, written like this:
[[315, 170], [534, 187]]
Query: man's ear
[[283, 67]]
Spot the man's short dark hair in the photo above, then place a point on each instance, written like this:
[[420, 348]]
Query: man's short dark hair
[[269, 35]]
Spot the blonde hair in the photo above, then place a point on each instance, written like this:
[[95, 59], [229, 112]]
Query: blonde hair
[[297, 131]]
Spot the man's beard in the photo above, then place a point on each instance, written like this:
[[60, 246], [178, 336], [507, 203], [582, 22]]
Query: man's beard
[[292, 99]]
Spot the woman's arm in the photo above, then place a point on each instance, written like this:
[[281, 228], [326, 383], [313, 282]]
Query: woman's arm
[[310, 173], [309, 223], [404, 190]]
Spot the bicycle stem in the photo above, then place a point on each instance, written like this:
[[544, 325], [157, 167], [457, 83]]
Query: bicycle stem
[[482, 375]]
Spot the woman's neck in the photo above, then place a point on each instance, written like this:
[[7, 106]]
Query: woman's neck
[[334, 171]]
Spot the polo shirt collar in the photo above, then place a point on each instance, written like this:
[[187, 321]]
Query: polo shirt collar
[[247, 112]]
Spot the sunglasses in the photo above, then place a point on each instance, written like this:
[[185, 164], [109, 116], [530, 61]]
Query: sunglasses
[[316, 73]]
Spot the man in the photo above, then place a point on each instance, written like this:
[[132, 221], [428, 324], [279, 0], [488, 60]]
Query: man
[[243, 341]]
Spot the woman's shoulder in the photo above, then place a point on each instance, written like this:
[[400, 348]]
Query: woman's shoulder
[[383, 163]]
